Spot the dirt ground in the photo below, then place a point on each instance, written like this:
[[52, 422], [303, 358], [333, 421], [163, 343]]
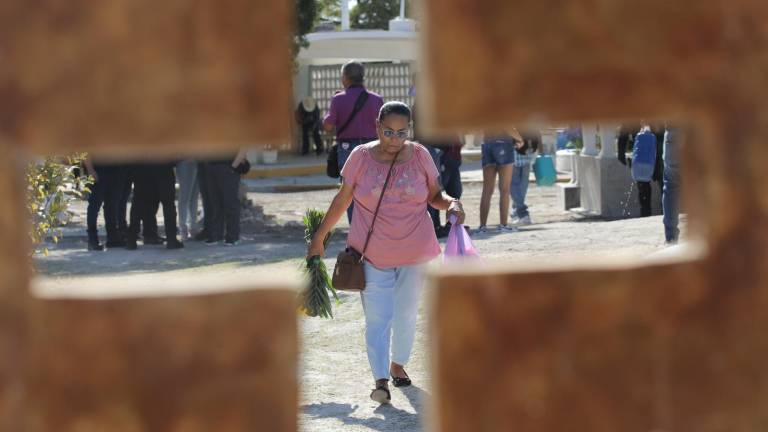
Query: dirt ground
[[334, 376]]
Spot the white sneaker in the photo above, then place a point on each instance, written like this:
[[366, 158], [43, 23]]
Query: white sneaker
[[523, 221], [507, 228]]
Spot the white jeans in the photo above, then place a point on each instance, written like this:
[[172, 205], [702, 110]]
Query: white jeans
[[390, 302]]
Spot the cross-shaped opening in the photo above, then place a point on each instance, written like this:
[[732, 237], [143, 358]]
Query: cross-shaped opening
[[606, 347]]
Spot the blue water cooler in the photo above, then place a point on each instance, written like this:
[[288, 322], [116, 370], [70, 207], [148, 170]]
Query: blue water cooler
[[544, 170]]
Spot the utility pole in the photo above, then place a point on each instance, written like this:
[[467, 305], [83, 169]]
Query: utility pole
[[344, 15], [402, 23]]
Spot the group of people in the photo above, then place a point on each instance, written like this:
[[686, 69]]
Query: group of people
[[148, 185], [400, 184], [375, 143]]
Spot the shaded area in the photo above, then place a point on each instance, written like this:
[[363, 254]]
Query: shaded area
[[70, 258], [388, 417]]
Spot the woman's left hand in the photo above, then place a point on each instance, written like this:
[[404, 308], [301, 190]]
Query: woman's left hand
[[456, 209]]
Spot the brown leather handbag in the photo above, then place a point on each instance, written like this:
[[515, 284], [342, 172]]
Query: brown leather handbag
[[349, 273]]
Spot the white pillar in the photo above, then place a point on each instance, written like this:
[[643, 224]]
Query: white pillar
[[402, 9], [589, 137], [345, 14], [608, 141], [574, 170]]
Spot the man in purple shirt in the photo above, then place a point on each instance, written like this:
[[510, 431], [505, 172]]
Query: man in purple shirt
[[362, 128]]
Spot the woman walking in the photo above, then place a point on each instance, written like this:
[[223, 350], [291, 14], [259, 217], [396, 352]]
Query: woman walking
[[402, 242]]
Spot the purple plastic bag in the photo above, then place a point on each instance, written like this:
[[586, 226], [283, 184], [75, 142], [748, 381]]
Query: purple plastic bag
[[458, 243]]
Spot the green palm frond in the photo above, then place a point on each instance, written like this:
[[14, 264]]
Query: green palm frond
[[314, 299]]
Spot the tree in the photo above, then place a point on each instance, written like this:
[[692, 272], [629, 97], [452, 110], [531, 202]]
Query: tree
[[329, 10], [306, 16], [52, 184], [374, 14]]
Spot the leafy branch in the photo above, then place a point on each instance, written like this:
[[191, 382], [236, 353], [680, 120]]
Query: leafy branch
[[314, 299], [52, 184]]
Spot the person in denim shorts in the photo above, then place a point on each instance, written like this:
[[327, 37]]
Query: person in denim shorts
[[498, 155]]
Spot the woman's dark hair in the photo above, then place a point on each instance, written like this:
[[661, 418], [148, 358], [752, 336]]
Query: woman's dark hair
[[394, 108]]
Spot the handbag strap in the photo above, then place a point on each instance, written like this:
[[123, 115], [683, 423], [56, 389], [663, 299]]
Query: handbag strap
[[376, 212], [359, 103]]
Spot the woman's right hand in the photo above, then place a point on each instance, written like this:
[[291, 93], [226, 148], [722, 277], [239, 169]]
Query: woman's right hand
[[456, 209], [315, 248]]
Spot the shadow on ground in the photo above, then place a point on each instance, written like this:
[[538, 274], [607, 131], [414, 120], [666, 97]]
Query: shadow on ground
[[388, 417], [70, 257]]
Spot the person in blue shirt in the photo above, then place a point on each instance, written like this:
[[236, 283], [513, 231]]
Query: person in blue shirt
[[625, 143]]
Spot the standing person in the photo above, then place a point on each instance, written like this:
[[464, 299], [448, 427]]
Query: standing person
[[223, 183], [203, 184], [142, 215], [189, 189], [658, 169], [497, 157], [108, 181], [154, 182], [525, 153], [447, 156], [671, 193], [352, 126], [122, 206], [437, 156], [308, 116], [625, 143], [434, 213], [402, 242], [450, 174]]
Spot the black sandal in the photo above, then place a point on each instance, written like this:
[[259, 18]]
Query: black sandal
[[381, 394], [401, 382]]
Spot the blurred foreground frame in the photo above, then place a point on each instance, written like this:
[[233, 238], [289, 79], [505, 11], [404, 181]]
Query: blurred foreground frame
[[128, 76], [675, 346], [599, 346], [127, 79]]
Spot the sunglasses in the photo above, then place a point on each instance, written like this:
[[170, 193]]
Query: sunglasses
[[402, 134]]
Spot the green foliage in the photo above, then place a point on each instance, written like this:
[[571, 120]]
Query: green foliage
[[314, 298], [306, 16], [51, 187], [375, 14], [329, 10], [575, 143]]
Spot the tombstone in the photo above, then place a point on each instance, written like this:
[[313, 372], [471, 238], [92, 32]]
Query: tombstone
[[123, 78], [607, 188], [604, 346], [569, 194]]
